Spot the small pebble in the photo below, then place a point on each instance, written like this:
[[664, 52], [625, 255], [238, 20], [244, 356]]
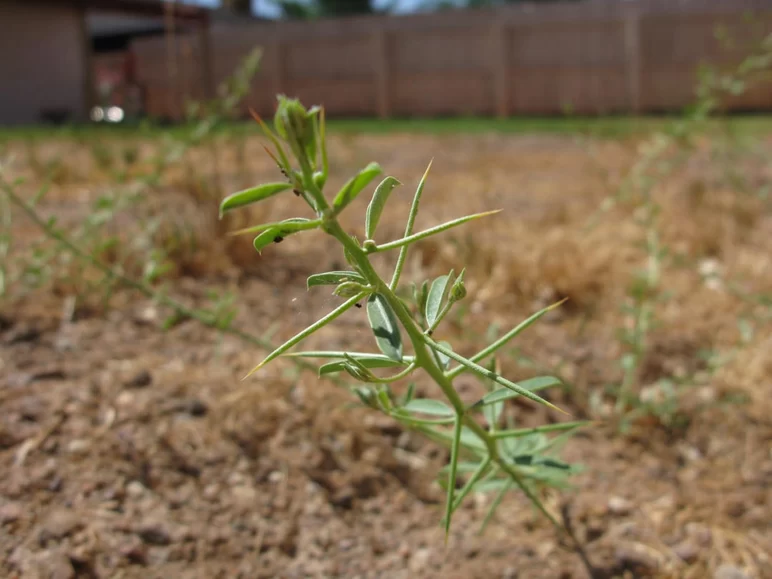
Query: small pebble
[[135, 489], [10, 512], [687, 551], [727, 571], [140, 380], [78, 446], [619, 506], [59, 524], [154, 533]]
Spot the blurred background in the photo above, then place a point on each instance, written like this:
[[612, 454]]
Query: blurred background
[[367, 58]]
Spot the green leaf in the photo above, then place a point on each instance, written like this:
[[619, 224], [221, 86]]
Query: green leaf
[[281, 230], [410, 393], [253, 195], [437, 295], [531, 460], [383, 321], [522, 432], [482, 354], [296, 223], [473, 481], [433, 231], [531, 385], [354, 186], [374, 362], [409, 230], [342, 355], [334, 278], [502, 491], [378, 202], [267, 238], [429, 406], [337, 312], [477, 369]]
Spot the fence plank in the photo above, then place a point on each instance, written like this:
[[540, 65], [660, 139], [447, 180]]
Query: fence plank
[[593, 57]]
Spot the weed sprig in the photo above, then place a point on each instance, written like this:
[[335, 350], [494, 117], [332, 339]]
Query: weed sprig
[[495, 458]]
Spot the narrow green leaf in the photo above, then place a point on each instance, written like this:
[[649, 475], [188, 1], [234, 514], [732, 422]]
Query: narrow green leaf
[[425, 424], [432, 231], [473, 481], [502, 491], [354, 186], [253, 195], [384, 323], [358, 372], [337, 312], [342, 355], [409, 231], [521, 432], [531, 385], [374, 362], [482, 354], [492, 375], [436, 297], [429, 406], [378, 202], [385, 401], [298, 223], [531, 460], [334, 278], [281, 230], [267, 238]]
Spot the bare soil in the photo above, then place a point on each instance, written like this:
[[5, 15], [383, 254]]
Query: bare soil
[[128, 450]]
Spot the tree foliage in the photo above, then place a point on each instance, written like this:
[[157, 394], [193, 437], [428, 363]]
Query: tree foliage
[[310, 9]]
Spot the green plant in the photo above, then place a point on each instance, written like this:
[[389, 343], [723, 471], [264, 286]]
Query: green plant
[[494, 459], [661, 156]]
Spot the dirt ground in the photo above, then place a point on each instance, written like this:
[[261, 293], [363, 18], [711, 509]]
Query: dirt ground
[[128, 450]]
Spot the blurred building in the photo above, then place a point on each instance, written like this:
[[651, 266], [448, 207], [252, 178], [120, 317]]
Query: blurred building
[[60, 58]]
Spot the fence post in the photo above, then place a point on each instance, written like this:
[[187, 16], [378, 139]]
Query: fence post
[[381, 68], [499, 71], [632, 34]]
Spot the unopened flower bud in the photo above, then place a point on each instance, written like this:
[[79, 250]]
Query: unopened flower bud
[[296, 126]]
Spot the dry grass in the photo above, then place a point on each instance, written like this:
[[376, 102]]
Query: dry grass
[[540, 249]]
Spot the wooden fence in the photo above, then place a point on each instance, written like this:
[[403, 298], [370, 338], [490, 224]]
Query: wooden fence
[[592, 57]]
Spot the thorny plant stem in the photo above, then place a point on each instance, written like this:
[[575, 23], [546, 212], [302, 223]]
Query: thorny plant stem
[[179, 309], [425, 360]]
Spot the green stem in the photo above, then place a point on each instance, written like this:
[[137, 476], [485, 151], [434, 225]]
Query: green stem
[[452, 472], [425, 360], [476, 476]]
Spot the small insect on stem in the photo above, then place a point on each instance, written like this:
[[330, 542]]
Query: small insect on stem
[[278, 239], [296, 192]]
